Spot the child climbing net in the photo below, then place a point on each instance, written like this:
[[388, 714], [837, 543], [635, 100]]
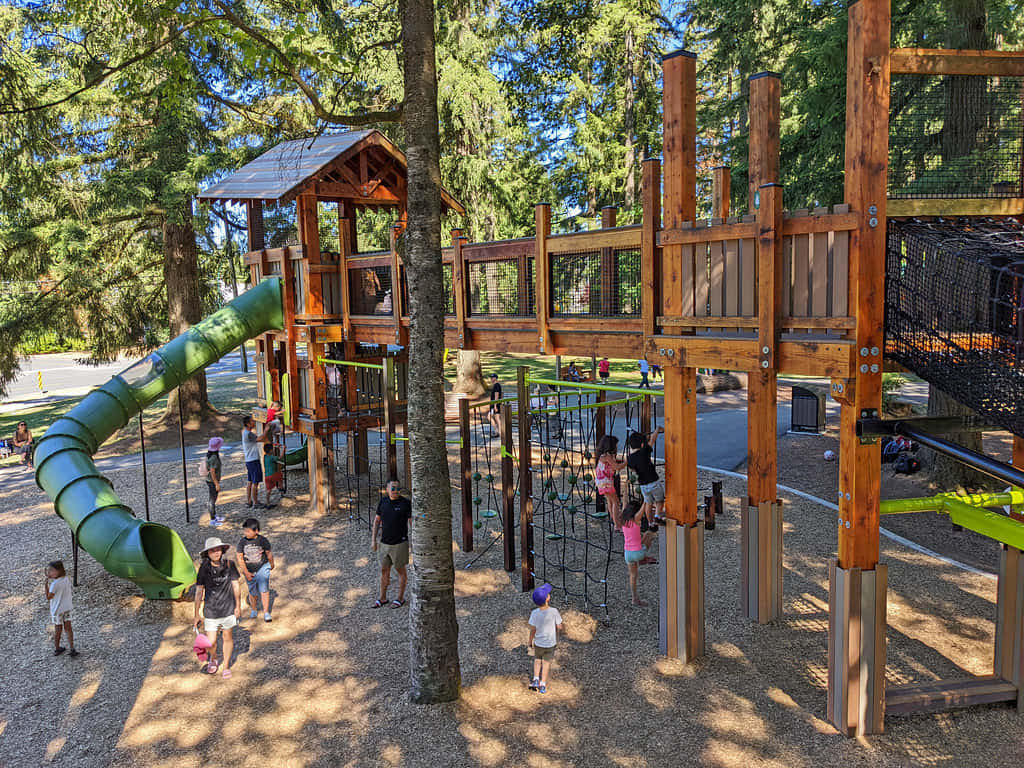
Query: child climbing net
[[573, 532]]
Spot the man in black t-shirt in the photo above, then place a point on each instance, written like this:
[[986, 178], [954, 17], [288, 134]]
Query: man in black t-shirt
[[392, 520], [640, 461], [494, 412]]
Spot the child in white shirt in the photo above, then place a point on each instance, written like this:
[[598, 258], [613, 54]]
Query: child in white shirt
[[545, 624], [58, 592]]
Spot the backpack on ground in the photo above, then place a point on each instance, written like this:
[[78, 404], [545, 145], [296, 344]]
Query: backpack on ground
[[905, 464], [890, 450]]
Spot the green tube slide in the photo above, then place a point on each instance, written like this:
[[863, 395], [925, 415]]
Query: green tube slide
[[296, 456], [150, 554]]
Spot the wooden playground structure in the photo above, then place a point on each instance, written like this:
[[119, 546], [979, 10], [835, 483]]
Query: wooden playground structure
[[764, 291]]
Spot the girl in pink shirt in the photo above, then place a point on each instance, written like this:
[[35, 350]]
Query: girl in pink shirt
[[608, 466], [636, 544]]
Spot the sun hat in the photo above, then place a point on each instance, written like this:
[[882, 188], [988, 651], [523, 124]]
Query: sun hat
[[540, 594], [215, 444], [201, 645], [213, 543]]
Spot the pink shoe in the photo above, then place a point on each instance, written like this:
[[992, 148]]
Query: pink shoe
[[211, 668], [226, 674]]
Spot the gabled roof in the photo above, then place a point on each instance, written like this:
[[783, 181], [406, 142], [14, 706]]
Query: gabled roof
[[364, 167]]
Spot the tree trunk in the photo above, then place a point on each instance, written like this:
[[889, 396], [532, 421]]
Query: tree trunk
[[946, 472], [433, 629], [469, 376], [629, 125], [184, 308]]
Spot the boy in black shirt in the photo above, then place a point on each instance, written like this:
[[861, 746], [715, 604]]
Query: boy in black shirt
[[256, 561], [652, 487], [392, 520], [493, 413]]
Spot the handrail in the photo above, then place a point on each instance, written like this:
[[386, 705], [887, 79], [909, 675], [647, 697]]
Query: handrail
[[598, 387], [350, 363]]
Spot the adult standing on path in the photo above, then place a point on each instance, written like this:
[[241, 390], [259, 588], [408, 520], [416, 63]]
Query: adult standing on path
[[251, 445], [392, 521], [644, 369]]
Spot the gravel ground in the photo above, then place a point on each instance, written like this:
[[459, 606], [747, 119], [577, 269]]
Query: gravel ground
[[325, 683]]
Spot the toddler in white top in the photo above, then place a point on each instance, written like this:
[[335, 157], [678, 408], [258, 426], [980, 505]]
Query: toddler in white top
[[545, 624], [58, 592]]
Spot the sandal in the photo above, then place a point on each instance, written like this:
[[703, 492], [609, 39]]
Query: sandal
[[397, 603], [212, 667], [226, 674], [377, 604]]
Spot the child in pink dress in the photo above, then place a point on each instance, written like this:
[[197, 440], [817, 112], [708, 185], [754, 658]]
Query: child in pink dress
[[608, 466]]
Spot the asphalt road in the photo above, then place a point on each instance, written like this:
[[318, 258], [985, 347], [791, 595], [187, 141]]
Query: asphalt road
[[64, 376]]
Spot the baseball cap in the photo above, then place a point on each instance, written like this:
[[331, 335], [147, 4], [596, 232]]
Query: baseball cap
[[540, 594]]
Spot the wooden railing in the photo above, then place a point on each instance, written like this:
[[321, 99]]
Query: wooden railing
[[583, 292]]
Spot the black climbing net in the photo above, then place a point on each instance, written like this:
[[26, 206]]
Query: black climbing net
[[954, 311], [573, 536], [955, 136]]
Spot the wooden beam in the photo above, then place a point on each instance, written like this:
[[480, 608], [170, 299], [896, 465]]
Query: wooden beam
[[924, 61], [721, 189], [987, 206], [542, 274], [681, 444], [508, 490], [396, 285], [765, 96], [705, 234], [390, 392], [946, 695], [679, 71], [459, 285], [594, 240], [867, 152], [650, 254]]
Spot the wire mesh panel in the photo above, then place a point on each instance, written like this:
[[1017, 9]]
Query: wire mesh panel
[[370, 290], [955, 136], [596, 284], [494, 288], [576, 284], [449, 289], [954, 311]]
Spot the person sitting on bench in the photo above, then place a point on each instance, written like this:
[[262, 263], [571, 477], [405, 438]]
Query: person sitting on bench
[[23, 444]]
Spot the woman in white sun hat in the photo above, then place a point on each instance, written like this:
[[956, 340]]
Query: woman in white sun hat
[[218, 592]]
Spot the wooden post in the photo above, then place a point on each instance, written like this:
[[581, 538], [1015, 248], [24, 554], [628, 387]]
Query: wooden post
[[307, 211], [542, 274], [857, 657], [721, 181], [390, 416], [466, 464], [319, 475], [525, 480], [679, 71], [396, 284], [459, 286], [347, 232], [508, 489], [650, 254], [1009, 651], [291, 355], [607, 271], [681, 565]]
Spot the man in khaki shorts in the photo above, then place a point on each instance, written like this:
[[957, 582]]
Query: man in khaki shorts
[[392, 521]]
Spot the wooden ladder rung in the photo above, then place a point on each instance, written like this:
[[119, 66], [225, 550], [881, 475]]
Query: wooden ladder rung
[[943, 695]]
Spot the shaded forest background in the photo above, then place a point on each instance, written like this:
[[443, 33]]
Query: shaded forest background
[[113, 116]]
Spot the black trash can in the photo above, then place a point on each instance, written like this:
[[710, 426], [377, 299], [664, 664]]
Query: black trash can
[[808, 411]]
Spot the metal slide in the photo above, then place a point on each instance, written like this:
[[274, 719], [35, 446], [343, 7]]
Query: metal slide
[[150, 554]]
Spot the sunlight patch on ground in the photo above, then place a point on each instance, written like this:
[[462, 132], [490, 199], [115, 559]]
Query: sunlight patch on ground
[[330, 573], [626, 761], [54, 747], [732, 715], [579, 627], [485, 749], [86, 689], [673, 667], [495, 699], [391, 754], [477, 583], [728, 754]]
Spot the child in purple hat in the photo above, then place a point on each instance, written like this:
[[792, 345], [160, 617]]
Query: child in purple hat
[[545, 624], [213, 473]]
